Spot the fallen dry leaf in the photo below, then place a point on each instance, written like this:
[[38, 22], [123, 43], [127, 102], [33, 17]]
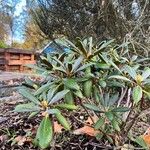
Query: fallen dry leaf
[[86, 130], [57, 127], [89, 120], [147, 139], [146, 136], [20, 140], [3, 138]]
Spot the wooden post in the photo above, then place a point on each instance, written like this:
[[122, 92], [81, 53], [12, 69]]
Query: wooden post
[[32, 57], [7, 57], [22, 63]]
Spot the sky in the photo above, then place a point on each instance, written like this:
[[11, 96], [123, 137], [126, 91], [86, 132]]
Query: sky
[[20, 16]]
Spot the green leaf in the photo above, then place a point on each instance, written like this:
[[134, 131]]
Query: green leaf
[[146, 73], [30, 82], [109, 115], [59, 96], [43, 88], [44, 133], [78, 93], [51, 92], [102, 83], [84, 67], [90, 45], [69, 98], [29, 107], [99, 123], [141, 142], [73, 46], [92, 107], [67, 106], [114, 65], [29, 96], [119, 77], [35, 67], [62, 121], [71, 84], [147, 93], [77, 63], [134, 57], [81, 47], [59, 69], [103, 65], [137, 94], [52, 111], [113, 99], [106, 99], [120, 109], [33, 114], [115, 125], [104, 45], [59, 62], [130, 71], [115, 84]]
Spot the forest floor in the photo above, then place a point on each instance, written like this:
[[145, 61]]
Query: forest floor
[[17, 131]]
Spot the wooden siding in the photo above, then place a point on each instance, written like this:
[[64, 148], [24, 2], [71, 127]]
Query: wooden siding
[[15, 59]]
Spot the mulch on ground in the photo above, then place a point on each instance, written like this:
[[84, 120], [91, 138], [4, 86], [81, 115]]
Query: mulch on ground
[[17, 131]]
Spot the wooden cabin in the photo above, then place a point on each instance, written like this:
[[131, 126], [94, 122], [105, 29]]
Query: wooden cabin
[[14, 59]]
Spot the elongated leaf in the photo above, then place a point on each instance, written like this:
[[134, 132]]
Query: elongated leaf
[[114, 65], [139, 140], [77, 63], [103, 65], [137, 94], [119, 78], [130, 71], [99, 123], [44, 133], [62, 121], [115, 84], [147, 93], [45, 61], [84, 67], [109, 115], [59, 96], [90, 45], [120, 109], [43, 88], [59, 62], [59, 69], [104, 45], [35, 67], [51, 93], [29, 96], [113, 99], [124, 44], [71, 84], [67, 106], [33, 114], [53, 111], [31, 83], [92, 107], [78, 93], [29, 107], [146, 73], [73, 46], [115, 125], [106, 99], [81, 47]]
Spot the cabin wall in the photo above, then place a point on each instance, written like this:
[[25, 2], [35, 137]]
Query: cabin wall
[[15, 61]]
